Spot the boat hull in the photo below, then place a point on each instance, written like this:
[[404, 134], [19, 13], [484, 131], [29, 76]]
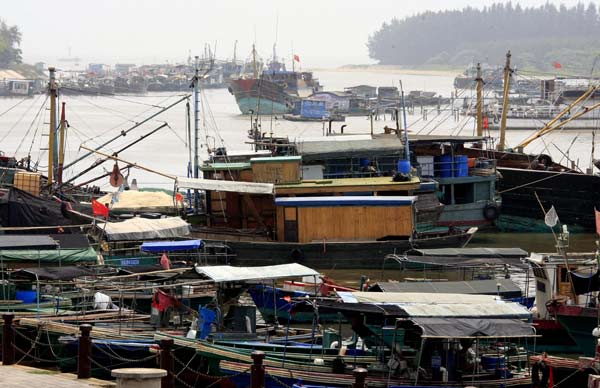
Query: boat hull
[[574, 196], [326, 255], [579, 323], [261, 96]]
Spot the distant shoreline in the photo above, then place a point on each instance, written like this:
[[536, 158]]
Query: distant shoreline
[[441, 72]]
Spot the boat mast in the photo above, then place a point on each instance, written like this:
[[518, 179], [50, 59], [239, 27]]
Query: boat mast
[[254, 69], [51, 135], [196, 129], [235, 51], [502, 143], [61, 145], [406, 146], [479, 80]]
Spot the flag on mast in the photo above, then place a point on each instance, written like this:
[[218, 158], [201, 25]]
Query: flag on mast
[[551, 218], [597, 221], [296, 58]]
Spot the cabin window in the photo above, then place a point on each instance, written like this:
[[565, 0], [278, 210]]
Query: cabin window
[[540, 286], [564, 276], [463, 193]]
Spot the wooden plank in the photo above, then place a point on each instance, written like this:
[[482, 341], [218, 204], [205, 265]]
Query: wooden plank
[[353, 223], [344, 189]]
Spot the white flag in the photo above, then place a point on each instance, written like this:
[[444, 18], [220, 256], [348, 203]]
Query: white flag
[[551, 218]]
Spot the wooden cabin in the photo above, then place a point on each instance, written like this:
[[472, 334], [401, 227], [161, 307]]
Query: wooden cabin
[[344, 218]]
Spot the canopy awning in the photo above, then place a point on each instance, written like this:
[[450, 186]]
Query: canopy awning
[[227, 273], [170, 246], [145, 229], [52, 273], [222, 185], [503, 287], [54, 256], [471, 327], [31, 241]]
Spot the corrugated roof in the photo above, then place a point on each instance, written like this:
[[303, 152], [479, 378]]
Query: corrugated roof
[[10, 74], [11, 241], [227, 273]]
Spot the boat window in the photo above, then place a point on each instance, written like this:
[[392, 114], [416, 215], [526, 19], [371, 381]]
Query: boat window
[[540, 286], [463, 193], [564, 277]]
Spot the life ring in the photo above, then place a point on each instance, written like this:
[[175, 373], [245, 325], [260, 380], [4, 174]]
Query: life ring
[[296, 254], [491, 212], [538, 367]]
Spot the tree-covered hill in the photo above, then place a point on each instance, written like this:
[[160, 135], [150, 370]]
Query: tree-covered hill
[[538, 37], [10, 39]]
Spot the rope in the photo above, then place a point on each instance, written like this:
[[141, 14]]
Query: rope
[[113, 354], [278, 381]]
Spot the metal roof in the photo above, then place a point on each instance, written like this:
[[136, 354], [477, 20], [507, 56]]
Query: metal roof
[[227, 273]]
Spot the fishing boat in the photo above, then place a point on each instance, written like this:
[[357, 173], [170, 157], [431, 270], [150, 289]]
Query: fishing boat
[[273, 90], [531, 184], [403, 341]]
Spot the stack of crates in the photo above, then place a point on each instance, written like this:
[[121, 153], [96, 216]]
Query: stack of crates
[[28, 181]]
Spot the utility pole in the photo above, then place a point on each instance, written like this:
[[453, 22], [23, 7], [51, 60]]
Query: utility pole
[[507, 71], [51, 135], [479, 80]]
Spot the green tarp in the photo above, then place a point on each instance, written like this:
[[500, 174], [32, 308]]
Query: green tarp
[[46, 256]]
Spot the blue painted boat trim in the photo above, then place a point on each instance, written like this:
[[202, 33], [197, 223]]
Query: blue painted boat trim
[[345, 201]]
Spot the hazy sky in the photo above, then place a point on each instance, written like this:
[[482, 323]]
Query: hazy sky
[[325, 33]]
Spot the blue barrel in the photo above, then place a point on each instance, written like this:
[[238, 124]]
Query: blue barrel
[[404, 166], [364, 162], [461, 165], [443, 166], [491, 362], [26, 296]]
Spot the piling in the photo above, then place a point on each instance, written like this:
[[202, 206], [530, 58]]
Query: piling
[[84, 356], [8, 340], [257, 370], [360, 378], [138, 377], [166, 363]]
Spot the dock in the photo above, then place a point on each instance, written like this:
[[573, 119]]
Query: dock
[[18, 376]]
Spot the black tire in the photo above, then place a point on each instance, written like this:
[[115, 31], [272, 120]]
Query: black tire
[[297, 255], [537, 380], [491, 212]]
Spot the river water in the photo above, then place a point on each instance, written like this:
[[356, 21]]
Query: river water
[[95, 120]]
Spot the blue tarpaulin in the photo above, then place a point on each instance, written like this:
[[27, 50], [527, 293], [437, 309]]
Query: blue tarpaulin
[[169, 246]]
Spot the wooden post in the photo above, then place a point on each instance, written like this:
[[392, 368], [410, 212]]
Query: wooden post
[[360, 377], [84, 356], [8, 340], [507, 72], [257, 370], [166, 363]]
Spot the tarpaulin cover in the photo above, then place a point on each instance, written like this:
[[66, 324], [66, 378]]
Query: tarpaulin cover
[[584, 283], [12, 241], [470, 327], [227, 273], [137, 228], [140, 201], [23, 209], [504, 287], [222, 185], [55, 256], [170, 246], [53, 273]]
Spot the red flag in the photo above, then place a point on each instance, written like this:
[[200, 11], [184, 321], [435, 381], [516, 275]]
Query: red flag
[[486, 123], [287, 298], [597, 221], [296, 58], [557, 65], [179, 197], [99, 209]]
